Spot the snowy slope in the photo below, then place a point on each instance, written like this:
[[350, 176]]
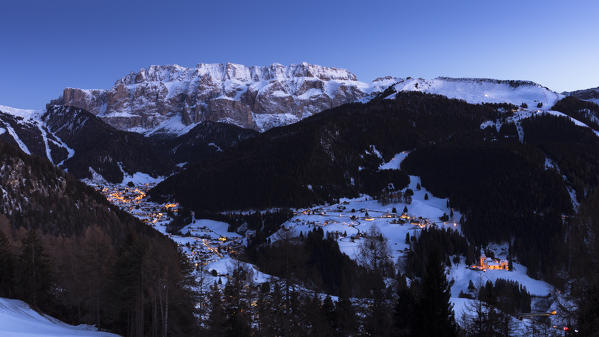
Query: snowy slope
[[480, 90], [26, 114], [25, 129], [19, 320]]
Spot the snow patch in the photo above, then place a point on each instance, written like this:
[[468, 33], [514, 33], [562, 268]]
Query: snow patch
[[395, 162], [14, 135], [139, 178]]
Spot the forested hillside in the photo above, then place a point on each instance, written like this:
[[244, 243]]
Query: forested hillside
[[332, 154], [67, 251]]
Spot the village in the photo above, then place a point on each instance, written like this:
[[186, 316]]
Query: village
[[206, 241], [201, 241], [214, 251]]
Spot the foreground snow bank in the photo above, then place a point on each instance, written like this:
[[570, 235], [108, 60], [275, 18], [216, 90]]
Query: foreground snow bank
[[18, 319]]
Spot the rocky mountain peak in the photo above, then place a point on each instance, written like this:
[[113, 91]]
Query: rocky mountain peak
[[172, 99]]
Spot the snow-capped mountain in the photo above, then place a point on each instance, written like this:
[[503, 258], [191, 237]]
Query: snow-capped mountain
[[170, 99]]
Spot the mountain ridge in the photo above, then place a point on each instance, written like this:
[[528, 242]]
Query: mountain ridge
[[172, 98]]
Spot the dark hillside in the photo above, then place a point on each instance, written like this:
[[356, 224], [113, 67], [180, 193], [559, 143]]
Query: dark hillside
[[326, 156]]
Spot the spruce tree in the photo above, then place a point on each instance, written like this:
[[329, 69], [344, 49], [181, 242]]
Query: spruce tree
[[346, 317], [403, 312], [330, 318], [435, 312]]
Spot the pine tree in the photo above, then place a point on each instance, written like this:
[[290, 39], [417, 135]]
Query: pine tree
[[330, 318], [435, 312], [377, 320], [34, 278], [403, 312], [346, 317], [315, 321]]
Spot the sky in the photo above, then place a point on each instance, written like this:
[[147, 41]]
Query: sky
[[46, 46]]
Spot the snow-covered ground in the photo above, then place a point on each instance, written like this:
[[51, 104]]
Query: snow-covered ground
[[350, 227], [17, 319]]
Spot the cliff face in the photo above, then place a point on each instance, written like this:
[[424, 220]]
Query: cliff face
[[171, 99]]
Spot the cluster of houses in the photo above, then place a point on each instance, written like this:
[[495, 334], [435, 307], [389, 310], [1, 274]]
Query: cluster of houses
[[202, 249]]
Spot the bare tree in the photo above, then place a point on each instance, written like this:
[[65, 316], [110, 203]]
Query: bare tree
[[374, 252]]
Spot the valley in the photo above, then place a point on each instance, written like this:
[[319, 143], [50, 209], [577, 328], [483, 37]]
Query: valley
[[215, 252], [347, 208]]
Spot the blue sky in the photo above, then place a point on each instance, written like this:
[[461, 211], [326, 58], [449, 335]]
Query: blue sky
[[48, 45]]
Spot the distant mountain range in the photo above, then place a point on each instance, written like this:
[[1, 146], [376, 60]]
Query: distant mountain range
[[172, 99]]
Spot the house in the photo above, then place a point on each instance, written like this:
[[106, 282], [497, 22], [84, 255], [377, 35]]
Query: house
[[487, 263]]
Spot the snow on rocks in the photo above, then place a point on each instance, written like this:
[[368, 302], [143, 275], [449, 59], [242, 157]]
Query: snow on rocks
[[155, 99]]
